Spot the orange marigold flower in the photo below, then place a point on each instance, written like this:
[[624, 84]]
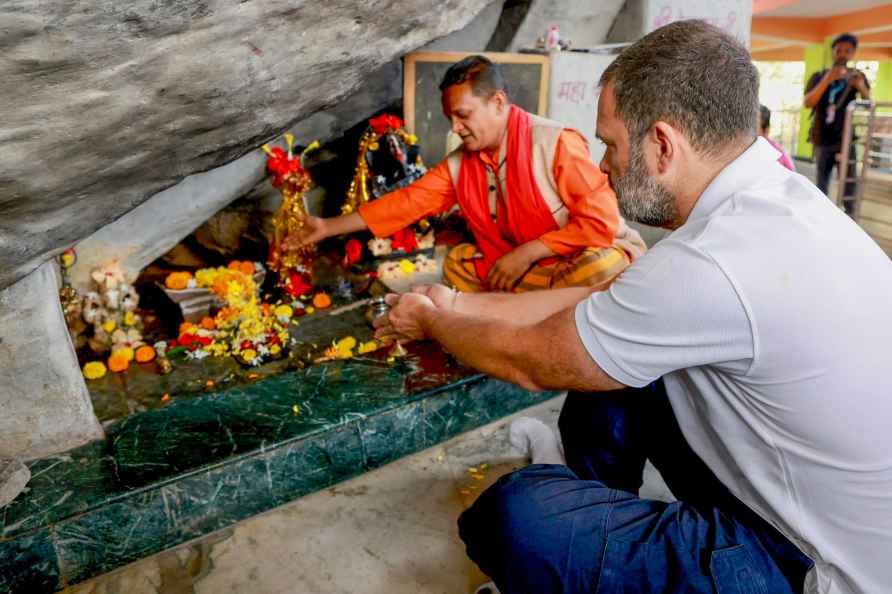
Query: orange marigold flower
[[247, 268], [177, 281], [208, 323], [221, 286], [234, 265], [185, 327], [118, 362], [322, 300], [145, 354]]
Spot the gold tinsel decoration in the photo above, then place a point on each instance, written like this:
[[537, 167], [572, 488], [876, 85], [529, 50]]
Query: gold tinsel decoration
[[292, 214], [358, 193]]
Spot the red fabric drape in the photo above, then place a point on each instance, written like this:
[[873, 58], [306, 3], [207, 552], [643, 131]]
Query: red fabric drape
[[524, 212]]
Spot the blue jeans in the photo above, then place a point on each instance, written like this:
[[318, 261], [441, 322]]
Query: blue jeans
[[581, 528], [825, 161]]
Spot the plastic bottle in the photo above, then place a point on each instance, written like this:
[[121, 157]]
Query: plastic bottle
[[553, 39]]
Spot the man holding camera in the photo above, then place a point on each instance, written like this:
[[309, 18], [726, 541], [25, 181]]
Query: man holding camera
[[828, 93]]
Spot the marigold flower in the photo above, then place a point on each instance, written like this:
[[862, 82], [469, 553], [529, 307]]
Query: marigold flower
[[322, 300], [125, 352], [346, 343], [177, 281], [94, 370], [407, 267], [368, 347], [284, 312], [144, 354], [118, 362]]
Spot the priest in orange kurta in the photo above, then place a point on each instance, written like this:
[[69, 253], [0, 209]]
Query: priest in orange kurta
[[542, 214]]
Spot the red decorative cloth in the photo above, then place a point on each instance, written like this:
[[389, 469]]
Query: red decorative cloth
[[523, 212]]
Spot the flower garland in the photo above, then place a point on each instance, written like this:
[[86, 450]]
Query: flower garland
[[244, 328]]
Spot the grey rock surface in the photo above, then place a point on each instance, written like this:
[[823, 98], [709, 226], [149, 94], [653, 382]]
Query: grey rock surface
[[44, 402], [584, 24], [13, 477], [155, 226], [105, 103]]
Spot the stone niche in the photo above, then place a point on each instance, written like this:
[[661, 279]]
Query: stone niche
[[151, 120]]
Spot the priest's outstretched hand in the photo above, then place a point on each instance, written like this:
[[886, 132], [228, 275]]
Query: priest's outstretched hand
[[313, 231]]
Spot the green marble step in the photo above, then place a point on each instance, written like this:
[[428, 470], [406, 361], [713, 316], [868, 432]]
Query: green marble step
[[166, 476]]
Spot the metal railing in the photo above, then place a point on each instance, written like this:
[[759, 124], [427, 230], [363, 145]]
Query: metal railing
[[785, 128], [868, 128]]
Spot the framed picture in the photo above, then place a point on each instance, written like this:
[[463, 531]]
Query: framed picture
[[526, 76]]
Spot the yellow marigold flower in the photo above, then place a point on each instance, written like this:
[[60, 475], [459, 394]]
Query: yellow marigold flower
[[348, 342], [275, 349], [125, 352], [109, 325], [94, 370], [310, 309], [205, 277], [413, 139], [368, 347], [406, 266], [129, 318], [344, 347], [217, 349], [249, 354], [284, 312]]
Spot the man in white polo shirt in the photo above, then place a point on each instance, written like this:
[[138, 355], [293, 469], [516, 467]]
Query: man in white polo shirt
[[768, 315]]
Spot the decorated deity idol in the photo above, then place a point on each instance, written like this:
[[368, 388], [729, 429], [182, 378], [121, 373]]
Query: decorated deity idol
[[389, 158], [291, 178]]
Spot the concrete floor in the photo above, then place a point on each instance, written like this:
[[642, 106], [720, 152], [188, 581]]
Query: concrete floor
[[390, 531]]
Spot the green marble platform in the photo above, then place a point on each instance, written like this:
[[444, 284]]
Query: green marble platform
[[172, 474]]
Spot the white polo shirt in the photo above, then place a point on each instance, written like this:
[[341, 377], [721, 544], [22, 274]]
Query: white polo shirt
[[769, 315]]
